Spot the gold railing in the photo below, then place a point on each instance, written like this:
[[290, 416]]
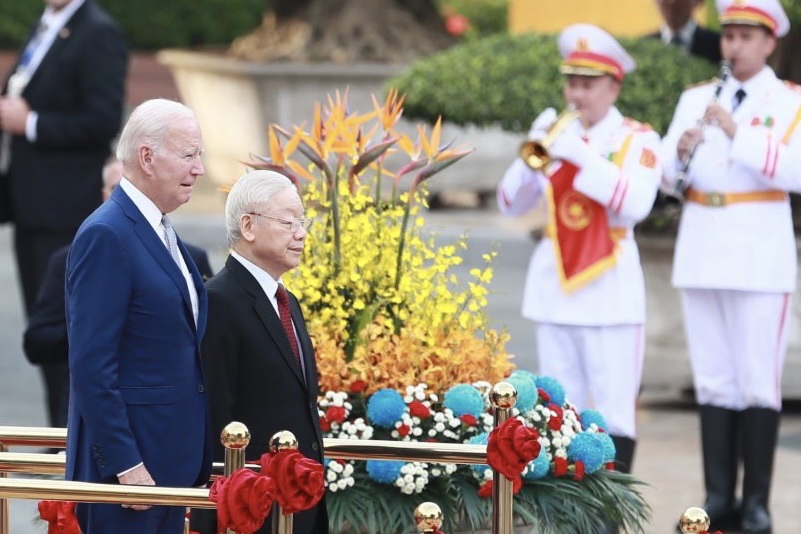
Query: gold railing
[[236, 437]]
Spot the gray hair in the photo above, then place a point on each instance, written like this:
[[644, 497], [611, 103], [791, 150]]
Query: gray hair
[[250, 193], [148, 125]]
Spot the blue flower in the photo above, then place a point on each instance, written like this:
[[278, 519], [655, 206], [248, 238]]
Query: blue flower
[[587, 448], [464, 399], [480, 439], [384, 471], [539, 467], [609, 446], [385, 408], [590, 417], [553, 388], [526, 390]]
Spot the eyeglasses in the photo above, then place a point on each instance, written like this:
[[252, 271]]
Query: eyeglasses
[[293, 225]]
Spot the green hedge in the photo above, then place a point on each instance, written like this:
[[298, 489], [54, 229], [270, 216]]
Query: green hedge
[[508, 79], [151, 24]]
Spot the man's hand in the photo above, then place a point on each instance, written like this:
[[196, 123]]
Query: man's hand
[[139, 476], [13, 113], [717, 116], [687, 142]]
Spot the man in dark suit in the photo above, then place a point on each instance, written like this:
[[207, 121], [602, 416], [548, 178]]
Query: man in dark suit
[[45, 338], [257, 353], [136, 312], [680, 29], [62, 105]]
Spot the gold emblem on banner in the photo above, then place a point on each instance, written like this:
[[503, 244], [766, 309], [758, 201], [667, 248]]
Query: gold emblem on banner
[[574, 211]]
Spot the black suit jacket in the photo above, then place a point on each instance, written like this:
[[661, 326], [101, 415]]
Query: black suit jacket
[[705, 44], [45, 338], [78, 91], [252, 377]]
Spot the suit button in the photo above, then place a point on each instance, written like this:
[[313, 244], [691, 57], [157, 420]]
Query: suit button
[[314, 446], [201, 388]]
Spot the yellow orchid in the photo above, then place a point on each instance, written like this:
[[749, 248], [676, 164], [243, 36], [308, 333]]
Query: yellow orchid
[[367, 287]]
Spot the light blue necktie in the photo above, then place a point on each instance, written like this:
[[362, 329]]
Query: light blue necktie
[[172, 239], [33, 44]]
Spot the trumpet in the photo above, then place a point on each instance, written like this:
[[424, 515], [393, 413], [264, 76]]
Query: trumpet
[[681, 179], [535, 153]]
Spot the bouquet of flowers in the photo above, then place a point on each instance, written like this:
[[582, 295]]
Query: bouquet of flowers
[[403, 347]]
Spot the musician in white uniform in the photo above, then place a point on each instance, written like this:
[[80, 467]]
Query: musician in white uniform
[[735, 260], [585, 285]]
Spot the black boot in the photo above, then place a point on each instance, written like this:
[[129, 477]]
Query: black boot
[[720, 447], [760, 429], [624, 455]]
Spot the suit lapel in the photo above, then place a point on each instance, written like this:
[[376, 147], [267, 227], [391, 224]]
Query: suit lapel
[[267, 315], [155, 246]]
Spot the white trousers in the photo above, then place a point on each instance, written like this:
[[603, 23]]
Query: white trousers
[[737, 342], [600, 367]]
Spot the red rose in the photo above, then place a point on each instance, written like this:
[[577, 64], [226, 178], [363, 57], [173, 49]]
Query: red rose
[[335, 414], [555, 421], [357, 386], [543, 395], [559, 466], [404, 430], [511, 446], [244, 500], [468, 419], [324, 424], [61, 517], [418, 409], [299, 481], [580, 469]]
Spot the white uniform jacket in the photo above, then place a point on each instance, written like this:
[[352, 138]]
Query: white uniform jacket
[[628, 192], [747, 246]]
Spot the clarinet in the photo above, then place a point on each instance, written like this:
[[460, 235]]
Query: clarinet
[[681, 180]]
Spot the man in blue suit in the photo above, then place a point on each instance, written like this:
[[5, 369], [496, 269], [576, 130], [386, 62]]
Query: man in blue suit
[[136, 312]]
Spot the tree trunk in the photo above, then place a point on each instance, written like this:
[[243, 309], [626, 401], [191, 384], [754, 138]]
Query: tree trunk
[[346, 31]]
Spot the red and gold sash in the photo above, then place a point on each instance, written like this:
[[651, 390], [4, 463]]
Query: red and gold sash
[[579, 228]]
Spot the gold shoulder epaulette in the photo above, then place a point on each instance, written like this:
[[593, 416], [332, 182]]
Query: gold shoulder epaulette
[[699, 84], [636, 125]]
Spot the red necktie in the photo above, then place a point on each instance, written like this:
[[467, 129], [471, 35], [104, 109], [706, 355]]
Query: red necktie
[[286, 321]]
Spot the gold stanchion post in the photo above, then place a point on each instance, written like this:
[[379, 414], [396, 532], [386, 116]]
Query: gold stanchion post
[[694, 520], [503, 397], [282, 524], [235, 437], [428, 517], [3, 502]]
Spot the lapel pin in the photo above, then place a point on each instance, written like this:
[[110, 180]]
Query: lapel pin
[[64, 33]]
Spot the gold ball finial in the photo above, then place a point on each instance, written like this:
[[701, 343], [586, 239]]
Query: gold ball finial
[[428, 517], [503, 395], [235, 435], [283, 440], [694, 519]]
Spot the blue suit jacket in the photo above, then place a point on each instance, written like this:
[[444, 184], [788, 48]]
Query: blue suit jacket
[[137, 388]]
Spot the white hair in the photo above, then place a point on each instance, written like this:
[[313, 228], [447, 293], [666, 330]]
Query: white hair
[[251, 193], [148, 125]]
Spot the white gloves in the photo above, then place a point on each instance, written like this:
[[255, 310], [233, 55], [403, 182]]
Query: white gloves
[[570, 147], [541, 125]]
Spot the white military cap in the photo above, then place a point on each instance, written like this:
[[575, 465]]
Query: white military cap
[[768, 13], [588, 50]]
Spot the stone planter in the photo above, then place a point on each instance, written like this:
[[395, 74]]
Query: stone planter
[[235, 101]]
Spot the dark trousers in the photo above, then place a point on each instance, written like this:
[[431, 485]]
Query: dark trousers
[[33, 250]]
